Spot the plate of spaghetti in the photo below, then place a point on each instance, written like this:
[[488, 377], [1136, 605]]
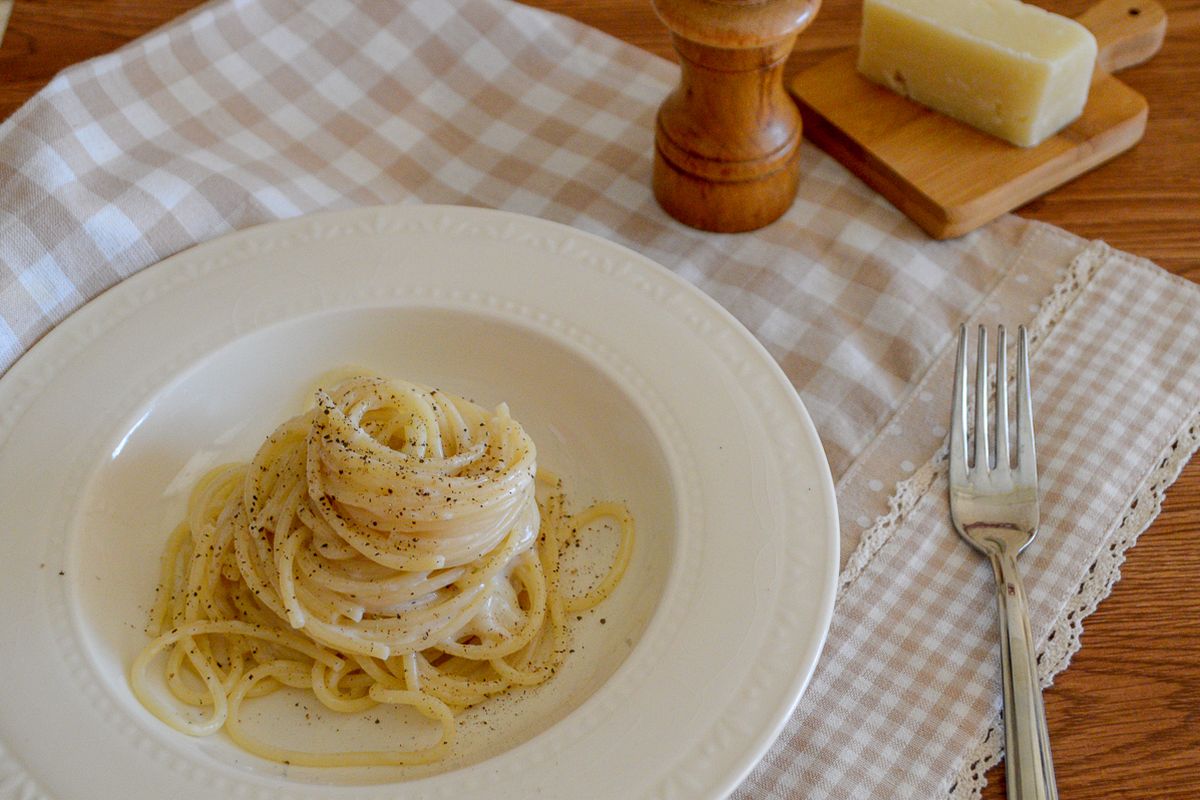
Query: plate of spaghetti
[[416, 501]]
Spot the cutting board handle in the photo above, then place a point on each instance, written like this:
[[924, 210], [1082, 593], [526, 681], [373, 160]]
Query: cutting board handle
[[1128, 32]]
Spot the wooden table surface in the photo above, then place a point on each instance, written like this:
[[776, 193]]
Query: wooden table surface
[[1125, 718]]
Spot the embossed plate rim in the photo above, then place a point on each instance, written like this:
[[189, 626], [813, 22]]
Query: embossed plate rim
[[790, 582]]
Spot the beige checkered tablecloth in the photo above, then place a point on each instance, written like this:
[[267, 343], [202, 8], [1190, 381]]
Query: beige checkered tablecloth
[[252, 110]]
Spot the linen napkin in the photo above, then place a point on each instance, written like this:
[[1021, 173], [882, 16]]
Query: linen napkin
[[246, 111], [5, 11]]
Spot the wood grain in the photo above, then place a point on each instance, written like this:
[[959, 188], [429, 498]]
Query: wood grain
[[727, 139], [1125, 718], [899, 147]]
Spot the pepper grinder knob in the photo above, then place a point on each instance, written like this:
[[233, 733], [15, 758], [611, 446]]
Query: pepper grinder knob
[[727, 140]]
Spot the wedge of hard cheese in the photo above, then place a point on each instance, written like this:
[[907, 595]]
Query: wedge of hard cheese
[[1011, 69]]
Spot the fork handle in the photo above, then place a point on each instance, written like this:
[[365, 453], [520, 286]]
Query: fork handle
[[1029, 771]]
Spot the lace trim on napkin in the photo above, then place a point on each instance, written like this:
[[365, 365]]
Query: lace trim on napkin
[[1063, 640], [909, 491]]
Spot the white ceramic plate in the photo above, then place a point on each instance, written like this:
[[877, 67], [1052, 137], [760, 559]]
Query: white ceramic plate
[[633, 384]]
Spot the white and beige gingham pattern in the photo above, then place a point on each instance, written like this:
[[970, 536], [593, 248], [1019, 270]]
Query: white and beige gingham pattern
[[251, 110], [921, 607]]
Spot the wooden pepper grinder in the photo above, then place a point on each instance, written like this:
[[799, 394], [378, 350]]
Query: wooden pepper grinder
[[727, 142]]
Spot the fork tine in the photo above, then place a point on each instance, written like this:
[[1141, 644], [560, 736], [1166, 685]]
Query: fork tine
[[997, 513], [1026, 456], [981, 404], [958, 413], [1002, 460]]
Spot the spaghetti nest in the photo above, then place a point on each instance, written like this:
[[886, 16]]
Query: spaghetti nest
[[394, 544]]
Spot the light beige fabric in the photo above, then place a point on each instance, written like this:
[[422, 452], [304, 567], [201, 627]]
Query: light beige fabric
[[5, 13], [244, 112]]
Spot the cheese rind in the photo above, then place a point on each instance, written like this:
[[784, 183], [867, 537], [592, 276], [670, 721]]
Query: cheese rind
[[1011, 69]]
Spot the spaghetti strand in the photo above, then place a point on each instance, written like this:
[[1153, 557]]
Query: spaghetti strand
[[392, 545]]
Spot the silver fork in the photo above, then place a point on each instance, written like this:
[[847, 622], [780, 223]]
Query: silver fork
[[994, 506]]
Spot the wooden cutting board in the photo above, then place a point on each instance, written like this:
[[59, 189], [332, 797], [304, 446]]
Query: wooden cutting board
[[951, 178]]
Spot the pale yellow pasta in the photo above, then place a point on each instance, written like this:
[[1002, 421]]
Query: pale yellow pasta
[[393, 545]]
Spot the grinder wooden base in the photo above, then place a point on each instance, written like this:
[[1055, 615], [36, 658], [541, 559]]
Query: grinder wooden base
[[698, 198]]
